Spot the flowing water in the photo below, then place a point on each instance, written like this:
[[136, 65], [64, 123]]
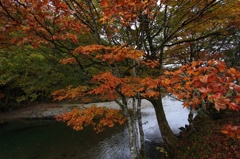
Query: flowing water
[[48, 139]]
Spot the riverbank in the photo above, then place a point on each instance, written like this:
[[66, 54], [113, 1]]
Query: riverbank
[[32, 111], [50, 110]]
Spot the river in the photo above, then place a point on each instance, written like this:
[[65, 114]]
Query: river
[[48, 139]]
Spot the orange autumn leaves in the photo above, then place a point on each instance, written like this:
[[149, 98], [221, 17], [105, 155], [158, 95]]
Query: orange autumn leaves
[[80, 118], [125, 11], [108, 54], [231, 131], [109, 87], [197, 84], [205, 83], [38, 22]]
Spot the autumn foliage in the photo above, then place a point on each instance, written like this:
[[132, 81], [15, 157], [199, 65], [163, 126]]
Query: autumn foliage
[[126, 12], [98, 117], [203, 84], [232, 131], [40, 22]]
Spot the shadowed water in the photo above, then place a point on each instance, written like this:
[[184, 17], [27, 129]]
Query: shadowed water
[[46, 139]]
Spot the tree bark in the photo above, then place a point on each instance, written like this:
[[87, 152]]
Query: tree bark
[[169, 138], [140, 127], [134, 124], [131, 131]]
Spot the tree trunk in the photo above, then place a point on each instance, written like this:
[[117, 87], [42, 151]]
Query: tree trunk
[[169, 138], [134, 124], [131, 131], [190, 117], [140, 127]]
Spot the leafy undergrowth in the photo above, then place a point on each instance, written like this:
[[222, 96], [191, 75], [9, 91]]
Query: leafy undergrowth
[[207, 141]]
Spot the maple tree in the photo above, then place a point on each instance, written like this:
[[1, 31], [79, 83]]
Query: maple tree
[[131, 42]]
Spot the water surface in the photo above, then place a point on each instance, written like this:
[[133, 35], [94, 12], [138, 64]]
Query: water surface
[[48, 139]]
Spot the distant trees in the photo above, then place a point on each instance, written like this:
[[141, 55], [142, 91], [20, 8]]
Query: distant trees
[[30, 74]]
